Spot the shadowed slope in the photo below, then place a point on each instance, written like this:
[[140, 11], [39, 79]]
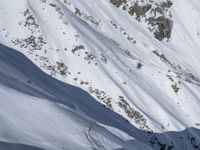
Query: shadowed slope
[[13, 146]]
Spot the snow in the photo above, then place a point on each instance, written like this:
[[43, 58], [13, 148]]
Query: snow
[[55, 118], [51, 96]]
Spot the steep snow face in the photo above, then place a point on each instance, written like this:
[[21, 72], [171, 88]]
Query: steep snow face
[[138, 58]]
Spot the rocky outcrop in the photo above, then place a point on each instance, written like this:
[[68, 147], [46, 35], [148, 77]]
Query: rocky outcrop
[[155, 14]]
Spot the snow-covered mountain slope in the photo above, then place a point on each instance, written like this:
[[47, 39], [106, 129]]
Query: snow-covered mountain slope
[[140, 59], [39, 111]]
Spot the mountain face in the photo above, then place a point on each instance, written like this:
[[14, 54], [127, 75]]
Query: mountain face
[[100, 75]]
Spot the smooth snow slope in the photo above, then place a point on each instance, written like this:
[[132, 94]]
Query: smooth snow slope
[[115, 57]]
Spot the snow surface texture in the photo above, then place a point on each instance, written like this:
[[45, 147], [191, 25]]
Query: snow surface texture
[[119, 74]]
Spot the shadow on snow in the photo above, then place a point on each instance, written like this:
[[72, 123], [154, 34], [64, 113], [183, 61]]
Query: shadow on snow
[[73, 97]]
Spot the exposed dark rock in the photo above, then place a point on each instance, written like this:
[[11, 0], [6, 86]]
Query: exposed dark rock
[[77, 48], [118, 3], [139, 65], [164, 26], [138, 10]]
